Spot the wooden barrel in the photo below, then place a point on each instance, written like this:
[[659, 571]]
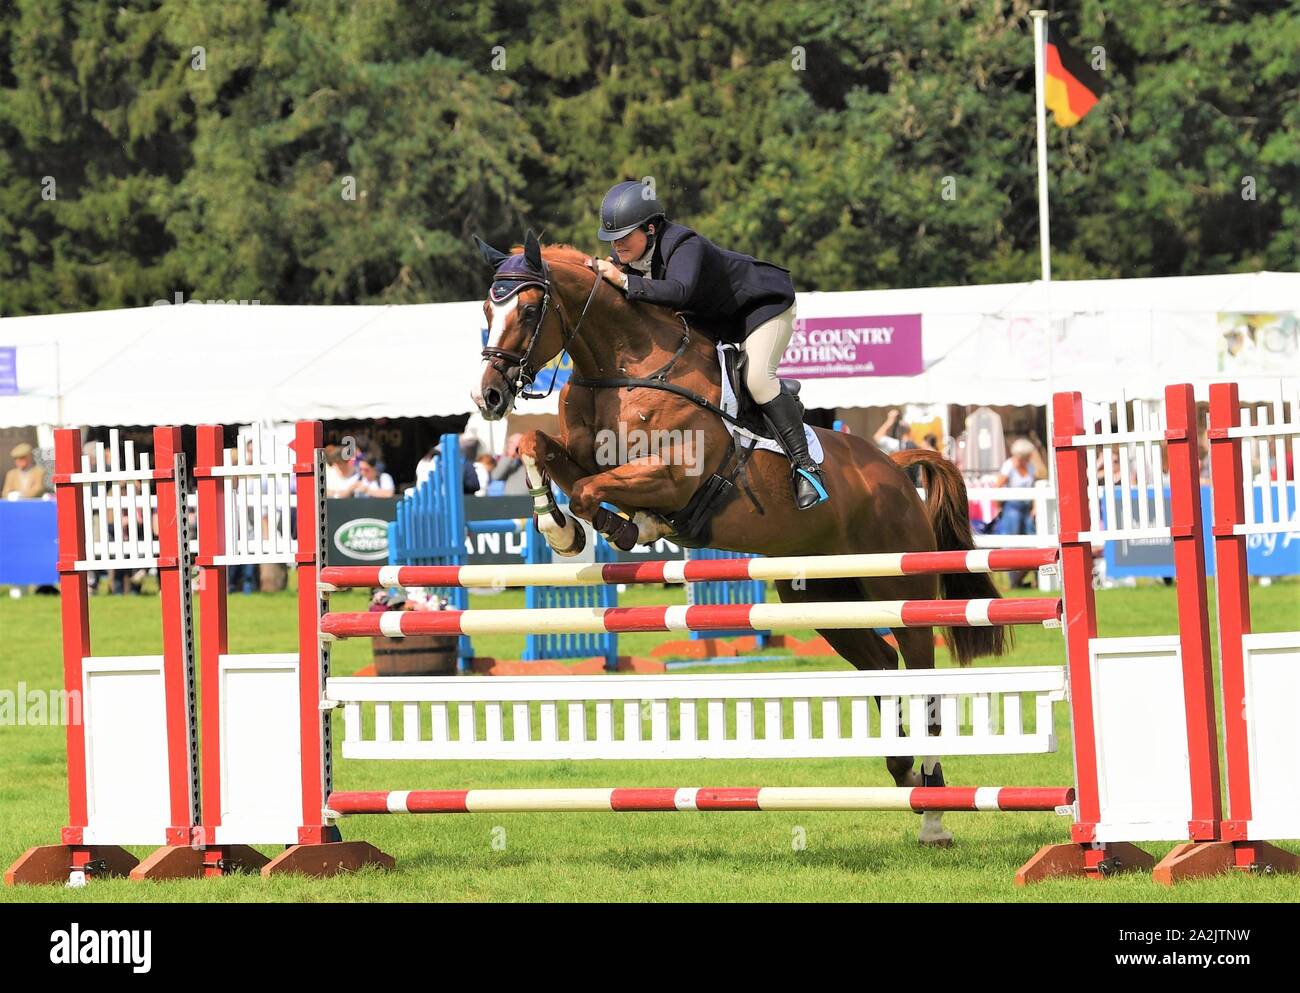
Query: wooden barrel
[[422, 655]]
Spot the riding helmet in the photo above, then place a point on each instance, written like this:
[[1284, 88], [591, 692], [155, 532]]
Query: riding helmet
[[626, 207]]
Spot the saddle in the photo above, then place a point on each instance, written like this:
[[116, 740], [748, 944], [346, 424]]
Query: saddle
[[735, 362], [693, 523]]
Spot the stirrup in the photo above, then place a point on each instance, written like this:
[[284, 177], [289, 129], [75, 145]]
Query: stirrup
[[815, 482]]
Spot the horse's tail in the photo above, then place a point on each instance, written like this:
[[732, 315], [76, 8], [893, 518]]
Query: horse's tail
[[946, 505]]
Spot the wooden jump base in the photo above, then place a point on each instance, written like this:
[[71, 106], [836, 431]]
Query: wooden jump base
[[639, 800], [1143, 727], [728, 617], [806, 567]]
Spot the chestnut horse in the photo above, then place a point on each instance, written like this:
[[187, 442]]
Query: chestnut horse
[[873, 506]]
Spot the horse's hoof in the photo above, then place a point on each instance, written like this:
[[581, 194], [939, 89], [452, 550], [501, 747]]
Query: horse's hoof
[[933, 833], [936, 838], [577, 548]]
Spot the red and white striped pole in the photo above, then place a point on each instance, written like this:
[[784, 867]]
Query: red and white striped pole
[[723, 617], [804, 567], [882, 798]]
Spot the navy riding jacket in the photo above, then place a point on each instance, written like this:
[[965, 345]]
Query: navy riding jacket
[[728, 294]]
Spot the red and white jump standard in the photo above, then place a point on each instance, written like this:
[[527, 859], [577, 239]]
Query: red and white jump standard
[[1260, 673], [133, 781]]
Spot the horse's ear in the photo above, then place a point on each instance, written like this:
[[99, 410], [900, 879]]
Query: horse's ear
[[491, 256], [533, 251]]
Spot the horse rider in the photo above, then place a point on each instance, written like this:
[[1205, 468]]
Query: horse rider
[[734, 298]]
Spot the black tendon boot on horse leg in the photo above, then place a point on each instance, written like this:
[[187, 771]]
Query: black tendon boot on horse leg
[[784, 418], [618, 530]]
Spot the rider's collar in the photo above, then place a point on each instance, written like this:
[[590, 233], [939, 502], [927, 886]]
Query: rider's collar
[[513, 276]]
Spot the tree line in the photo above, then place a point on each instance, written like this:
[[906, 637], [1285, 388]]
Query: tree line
[[332, 152]]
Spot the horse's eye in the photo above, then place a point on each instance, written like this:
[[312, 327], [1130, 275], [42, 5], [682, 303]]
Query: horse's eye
[[530, 311]]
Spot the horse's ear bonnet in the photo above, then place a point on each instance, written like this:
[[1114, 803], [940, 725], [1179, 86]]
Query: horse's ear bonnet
[[513, 272]]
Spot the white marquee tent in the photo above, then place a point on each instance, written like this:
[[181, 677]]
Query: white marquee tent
[[981, 345]]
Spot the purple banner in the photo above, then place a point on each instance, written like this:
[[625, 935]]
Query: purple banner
[[836, 347]]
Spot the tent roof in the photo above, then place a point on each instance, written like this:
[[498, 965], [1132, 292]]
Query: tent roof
[[982, 344]]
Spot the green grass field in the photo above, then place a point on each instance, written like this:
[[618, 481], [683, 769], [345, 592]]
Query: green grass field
[[625, 857]]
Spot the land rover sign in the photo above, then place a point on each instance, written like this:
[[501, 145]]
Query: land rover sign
[[363, 538]]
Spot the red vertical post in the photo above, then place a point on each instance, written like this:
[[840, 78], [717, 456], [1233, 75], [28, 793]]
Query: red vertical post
[[313, 657], [1232, 587], [214, 635], [75, 594], [1080, 602], [177, 635], [1182, 447]]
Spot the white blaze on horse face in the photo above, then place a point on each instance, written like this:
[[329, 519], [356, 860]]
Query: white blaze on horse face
[[500, 318]]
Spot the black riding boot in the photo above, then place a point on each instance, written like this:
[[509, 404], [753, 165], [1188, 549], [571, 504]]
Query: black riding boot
[[784, 417]]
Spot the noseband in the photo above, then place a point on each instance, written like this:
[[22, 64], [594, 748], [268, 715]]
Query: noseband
[[516, 367]]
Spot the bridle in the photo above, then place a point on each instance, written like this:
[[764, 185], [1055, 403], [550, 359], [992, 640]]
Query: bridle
[[516, 367]]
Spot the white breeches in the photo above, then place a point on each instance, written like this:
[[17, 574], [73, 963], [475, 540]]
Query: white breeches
[[765, 348]]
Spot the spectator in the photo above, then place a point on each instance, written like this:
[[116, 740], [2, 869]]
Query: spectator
[[510, 469], [26, 480], [1017, 516], [341, 480], [893, 435], [373, 480], [469, 481], [931, 442]]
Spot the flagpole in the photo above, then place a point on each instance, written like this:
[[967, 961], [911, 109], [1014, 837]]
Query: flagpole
[[1040, 47], [1044, 236]]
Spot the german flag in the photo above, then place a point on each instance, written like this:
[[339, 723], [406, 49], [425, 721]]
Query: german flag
[[1072, 86]]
